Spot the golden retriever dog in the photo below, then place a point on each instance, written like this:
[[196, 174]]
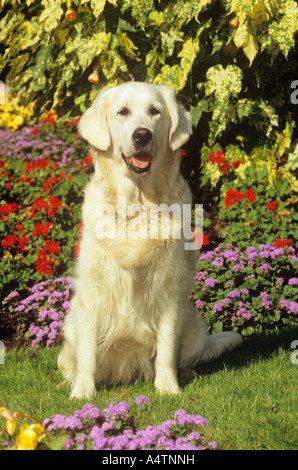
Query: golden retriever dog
[[130, 316]]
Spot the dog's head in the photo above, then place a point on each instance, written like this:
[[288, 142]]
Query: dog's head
[[135, 122]]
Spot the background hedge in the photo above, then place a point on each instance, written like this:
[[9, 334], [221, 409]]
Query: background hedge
[[231, 62]]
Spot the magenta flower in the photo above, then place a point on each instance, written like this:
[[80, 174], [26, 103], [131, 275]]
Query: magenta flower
[[210, 282], [141, 400]]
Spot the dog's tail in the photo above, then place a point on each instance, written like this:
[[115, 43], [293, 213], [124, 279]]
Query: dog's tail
[[219, 343]]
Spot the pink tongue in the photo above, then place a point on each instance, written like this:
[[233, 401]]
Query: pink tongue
[[140, 163]]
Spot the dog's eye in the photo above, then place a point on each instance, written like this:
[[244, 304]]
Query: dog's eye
[[123, 111], [154, 111]]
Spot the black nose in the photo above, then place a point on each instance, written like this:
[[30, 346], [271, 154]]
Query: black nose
[[141, 137]]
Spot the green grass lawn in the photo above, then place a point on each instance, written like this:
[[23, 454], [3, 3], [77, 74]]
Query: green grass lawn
[[248, 396]]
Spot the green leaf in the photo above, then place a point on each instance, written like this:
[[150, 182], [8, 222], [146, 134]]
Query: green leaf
[[51, 14], [222, 84], [197, 111]]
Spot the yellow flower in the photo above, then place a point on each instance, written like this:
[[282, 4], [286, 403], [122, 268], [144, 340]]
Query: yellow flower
[[11, 421], [11, 425], [27, 438]]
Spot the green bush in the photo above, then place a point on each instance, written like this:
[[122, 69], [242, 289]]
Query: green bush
[[232, 62]]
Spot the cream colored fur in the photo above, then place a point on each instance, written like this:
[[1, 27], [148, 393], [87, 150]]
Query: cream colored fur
[[130, 315]]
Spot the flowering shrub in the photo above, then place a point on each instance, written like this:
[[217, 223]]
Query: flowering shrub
[[112, 428], [248, 290], [258, 195], [42, 312], [43, 170]]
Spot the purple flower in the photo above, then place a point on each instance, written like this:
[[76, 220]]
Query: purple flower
[[293, 307], [252, 255], [199, 303], [218, 307], [97, 433], [141, 400], [201, 275], [116, 409], [212, 444], [219, 262], [244, 291], [184, 417], [210, 282], [265, 254], [236, 268], [293, 281], [265, 266], [72, 422], [234, 293]]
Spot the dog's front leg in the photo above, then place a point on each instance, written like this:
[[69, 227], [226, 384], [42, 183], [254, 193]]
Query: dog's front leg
[[168, 336], [84, 383]]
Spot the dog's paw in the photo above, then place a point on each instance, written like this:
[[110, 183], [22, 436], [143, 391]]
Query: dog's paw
[[167, 385], [83, 388], [187, 373]]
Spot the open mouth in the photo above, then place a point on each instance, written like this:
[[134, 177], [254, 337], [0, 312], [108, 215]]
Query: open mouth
[[139, 162]]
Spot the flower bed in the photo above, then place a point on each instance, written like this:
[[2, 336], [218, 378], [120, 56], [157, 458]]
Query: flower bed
[[113, 428], [43, 170], [248, 290]]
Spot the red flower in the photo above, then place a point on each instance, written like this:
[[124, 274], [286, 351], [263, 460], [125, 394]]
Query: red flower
[[183, 153], [8, 208], [18, 228], [81, 228], [224, 167], [88, 159], [206, 240], [22, 242], [77, 247], [50, 118], [250, 195], [272, 205], [35, 131], [282, 243], [236, 164], [220, 160], [8, 241], [233, 196], [55, 203], [43, 263], [42, 163], [39, 204], [52, 247], [2, 164], [41, 229], [51, 181], [212, 157]]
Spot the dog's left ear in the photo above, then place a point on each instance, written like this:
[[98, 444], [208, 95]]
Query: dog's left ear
[[181, 124], [93, 125]]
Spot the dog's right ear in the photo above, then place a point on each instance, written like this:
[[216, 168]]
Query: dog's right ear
[[93, 125]]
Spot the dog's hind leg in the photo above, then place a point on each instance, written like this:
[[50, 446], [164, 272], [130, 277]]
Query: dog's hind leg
[[218, 343]]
